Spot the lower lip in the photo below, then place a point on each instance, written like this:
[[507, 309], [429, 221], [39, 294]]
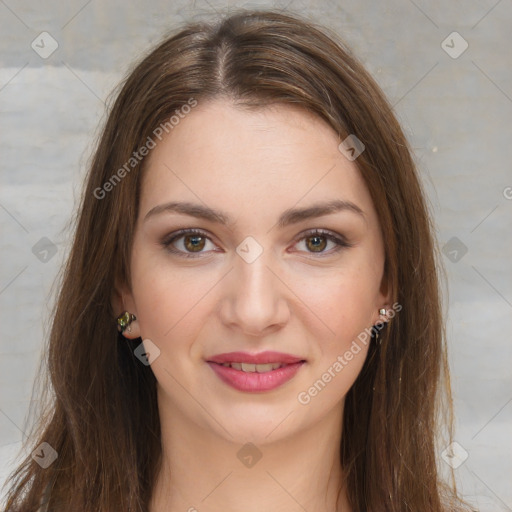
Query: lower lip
[[253, 381]]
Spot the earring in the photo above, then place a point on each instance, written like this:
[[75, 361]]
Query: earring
[[378, 340], [124, 320], [377, 337]]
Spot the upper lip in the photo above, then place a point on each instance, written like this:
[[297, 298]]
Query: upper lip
[[260, 358]]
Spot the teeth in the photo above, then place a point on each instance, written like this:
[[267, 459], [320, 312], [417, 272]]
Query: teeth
[[252, 368], [262, 368]]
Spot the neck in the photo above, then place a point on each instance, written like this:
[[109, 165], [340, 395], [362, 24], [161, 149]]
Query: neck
[[203, 472]]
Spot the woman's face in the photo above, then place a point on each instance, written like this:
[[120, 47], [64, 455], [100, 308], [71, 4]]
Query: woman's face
[[254, 276]]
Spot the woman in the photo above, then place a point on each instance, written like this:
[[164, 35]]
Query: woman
[[250, 314]]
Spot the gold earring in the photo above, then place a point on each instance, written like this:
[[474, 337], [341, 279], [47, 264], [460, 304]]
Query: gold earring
[[124, 320]]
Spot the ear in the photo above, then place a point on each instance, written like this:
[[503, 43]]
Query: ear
[[122, 300], [384, 301]]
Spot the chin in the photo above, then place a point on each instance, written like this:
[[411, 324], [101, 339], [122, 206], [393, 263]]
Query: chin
[[259, 425]]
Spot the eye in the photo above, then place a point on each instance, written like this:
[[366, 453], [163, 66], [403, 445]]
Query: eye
[[190, 243], [317, 241], [187, 242]]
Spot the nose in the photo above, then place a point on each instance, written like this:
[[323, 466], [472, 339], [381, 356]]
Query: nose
[[254, 299]]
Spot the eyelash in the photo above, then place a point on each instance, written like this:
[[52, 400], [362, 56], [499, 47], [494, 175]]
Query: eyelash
[[167, 242]]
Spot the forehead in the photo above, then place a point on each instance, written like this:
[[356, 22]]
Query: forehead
[[259, 161]]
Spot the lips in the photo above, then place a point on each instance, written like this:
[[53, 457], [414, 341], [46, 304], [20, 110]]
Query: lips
[[261, 358], [255, 372]]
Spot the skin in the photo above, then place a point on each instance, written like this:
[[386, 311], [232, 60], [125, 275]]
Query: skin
[[253, 166]]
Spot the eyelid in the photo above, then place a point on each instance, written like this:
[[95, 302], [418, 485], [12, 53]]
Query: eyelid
[[320, 232], [167, 241], [340, 241]]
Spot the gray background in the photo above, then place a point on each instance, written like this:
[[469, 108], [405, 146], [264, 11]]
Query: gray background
[[455, 111]]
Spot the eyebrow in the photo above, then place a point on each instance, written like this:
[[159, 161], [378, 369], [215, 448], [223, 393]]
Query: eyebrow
[[287, 218]]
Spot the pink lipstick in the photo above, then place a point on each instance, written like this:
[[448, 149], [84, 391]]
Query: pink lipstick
[[255, 372]]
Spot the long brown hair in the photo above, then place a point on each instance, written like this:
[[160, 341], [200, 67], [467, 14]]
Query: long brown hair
[[102, 418]]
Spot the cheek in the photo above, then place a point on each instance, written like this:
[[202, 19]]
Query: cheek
[[167, 300], [343, 300], [343, 304]]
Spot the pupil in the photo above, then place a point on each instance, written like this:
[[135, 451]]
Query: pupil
[[318, 243], [194, 242]]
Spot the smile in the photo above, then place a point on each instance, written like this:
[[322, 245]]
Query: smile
[[252, 368], [255, 378]]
